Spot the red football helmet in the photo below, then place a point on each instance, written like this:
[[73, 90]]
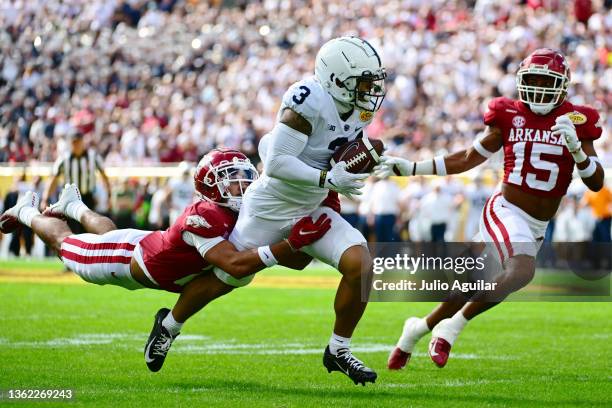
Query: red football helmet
[[216, 172], [551, 64]]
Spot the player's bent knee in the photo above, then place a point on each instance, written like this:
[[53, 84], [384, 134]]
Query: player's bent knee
[[520, 270], [58, 240], [355, 262]]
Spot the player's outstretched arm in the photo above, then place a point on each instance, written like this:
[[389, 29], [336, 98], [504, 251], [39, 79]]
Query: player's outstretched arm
[[243, 263], [583, 152], [288, 140], [452, 163], [594, 180]]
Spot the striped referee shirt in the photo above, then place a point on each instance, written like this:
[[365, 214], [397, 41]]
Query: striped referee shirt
[[80, 170]]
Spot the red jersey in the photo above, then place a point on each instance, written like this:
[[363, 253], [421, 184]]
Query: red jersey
[[172, 262], [535, 160]]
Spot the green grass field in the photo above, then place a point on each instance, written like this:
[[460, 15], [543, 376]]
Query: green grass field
[[262, 346]]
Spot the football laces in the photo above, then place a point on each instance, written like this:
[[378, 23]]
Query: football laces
[[360, 157]]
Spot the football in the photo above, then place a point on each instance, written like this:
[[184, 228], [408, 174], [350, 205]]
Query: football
[[360, 155]]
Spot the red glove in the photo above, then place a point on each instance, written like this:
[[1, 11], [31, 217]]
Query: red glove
[[332, 201], [306, 231]]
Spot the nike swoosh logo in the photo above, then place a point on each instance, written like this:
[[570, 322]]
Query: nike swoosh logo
[[300, 232], [147, 359], [432, 349], [331, 182], [341, 369]]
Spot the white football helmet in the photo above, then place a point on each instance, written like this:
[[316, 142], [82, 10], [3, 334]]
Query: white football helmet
[[351, 71]]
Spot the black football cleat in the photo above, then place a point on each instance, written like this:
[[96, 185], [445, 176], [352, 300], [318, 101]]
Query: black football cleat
[[159, 342], [350, 365]]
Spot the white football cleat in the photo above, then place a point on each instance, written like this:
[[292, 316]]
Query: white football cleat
[[69, 194], [9, 220], [400, 356], [442, 338]]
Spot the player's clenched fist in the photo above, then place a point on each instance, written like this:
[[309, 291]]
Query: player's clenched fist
[[306, 231], [565, 128]]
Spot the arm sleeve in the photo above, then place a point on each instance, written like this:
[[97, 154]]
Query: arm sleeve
[[202, 244], [282, 163], [263, 146]]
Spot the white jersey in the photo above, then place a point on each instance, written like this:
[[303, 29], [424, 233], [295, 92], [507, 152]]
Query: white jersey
[[276, 199]]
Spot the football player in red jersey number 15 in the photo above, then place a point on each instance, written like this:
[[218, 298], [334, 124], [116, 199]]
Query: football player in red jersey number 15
[[192, 257], [543, 136]]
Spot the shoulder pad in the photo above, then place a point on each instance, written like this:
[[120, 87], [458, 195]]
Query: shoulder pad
[[587, 121], [206, 220], [496, 107], [306, 99]]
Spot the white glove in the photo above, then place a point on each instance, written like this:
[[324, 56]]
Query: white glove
[[386, 164], [340, 180], [565, 128]]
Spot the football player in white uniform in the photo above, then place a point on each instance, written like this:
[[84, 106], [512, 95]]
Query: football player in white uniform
[[317, 115]]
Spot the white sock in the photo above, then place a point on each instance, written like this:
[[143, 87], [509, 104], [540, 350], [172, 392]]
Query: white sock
[[421, 328], [338, 342], [27, 214], [458, 321], [75, 210], [172, 325], [409, 339]]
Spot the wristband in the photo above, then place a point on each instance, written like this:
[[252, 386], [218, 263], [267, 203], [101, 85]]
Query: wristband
[[322, 178], [440, 165], [588, 171], [266, 255]]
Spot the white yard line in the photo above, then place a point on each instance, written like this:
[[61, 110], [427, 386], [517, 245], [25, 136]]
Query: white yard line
[[198, 344], [448, 383]]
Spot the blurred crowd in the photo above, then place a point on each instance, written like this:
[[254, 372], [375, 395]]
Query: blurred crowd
[[434, 209], [166, 80]]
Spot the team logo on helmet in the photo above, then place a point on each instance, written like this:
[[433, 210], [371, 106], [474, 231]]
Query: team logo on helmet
[[518, 121]]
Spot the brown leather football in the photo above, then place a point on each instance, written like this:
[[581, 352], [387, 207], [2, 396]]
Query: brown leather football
[[360, 155]]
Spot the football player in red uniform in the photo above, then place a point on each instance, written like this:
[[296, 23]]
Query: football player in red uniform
[[543, 136], [192, 257]]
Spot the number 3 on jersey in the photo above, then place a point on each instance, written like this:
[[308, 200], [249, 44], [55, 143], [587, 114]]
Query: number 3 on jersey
[[301, 97], [535, 160]]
